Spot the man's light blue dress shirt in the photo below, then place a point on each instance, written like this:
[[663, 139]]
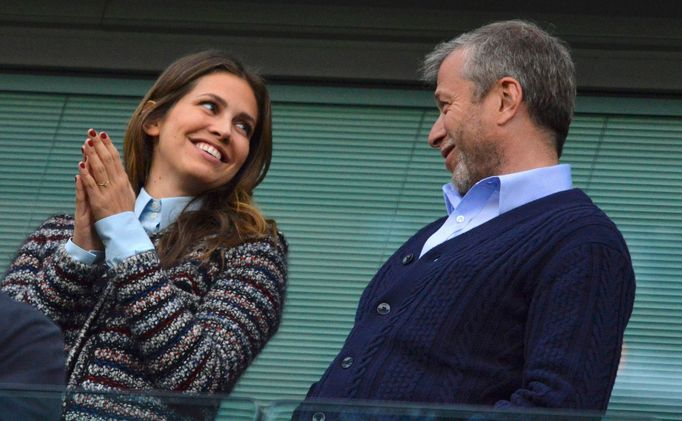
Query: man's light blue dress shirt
[[494, 196], [127, 233]]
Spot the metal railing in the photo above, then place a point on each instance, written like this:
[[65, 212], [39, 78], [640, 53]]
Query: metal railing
[[48, 403]]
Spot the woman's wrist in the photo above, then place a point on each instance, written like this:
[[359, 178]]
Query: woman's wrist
[[123, 236]]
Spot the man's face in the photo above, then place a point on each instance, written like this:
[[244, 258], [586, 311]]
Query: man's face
[[462, 131]]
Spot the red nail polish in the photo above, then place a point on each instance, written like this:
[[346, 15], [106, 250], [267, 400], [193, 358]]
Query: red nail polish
[[90, 143], [103, 135], [82, 165], [92, 133]]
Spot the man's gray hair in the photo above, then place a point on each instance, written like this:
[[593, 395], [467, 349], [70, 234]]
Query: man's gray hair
[[541, 63]]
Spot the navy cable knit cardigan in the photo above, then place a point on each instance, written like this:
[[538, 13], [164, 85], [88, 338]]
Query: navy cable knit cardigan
[[525, 310]]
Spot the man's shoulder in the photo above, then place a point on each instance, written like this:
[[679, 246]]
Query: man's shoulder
[[24, 318], [574, 216], [32, 349], [574, 205], [24, 326], [572, 197]]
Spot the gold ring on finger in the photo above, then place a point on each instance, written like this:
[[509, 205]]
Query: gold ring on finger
[[105, 184]]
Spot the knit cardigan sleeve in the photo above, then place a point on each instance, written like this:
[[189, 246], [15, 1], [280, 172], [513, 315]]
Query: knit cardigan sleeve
[[44, 275], [578, 311], [204, 346]]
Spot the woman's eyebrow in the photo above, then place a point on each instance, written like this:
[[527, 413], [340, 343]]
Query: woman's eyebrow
[[249, 117], [216, 98], [224, 104]]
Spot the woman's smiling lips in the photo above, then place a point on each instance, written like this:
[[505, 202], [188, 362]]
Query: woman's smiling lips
[[215, 151]]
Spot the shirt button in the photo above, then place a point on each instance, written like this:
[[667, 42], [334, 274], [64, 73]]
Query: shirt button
[[155, 205], [408, 258], [154, 215], [383, 308], [347, 362], [318, 416], [459, 219]]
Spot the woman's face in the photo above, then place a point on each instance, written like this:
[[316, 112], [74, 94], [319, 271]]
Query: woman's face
[[203, 140]]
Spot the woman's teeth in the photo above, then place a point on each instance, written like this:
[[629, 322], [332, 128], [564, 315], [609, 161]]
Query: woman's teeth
[[210, 150]]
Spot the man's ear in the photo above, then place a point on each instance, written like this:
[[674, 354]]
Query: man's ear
[[510, 98]]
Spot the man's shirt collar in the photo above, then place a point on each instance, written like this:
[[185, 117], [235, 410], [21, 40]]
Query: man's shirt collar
[[514, 189]]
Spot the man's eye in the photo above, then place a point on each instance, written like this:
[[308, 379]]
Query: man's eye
[[244, 128], [210, 105]]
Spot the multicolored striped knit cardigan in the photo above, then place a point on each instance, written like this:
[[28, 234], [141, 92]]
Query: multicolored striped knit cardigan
[[138, 326]]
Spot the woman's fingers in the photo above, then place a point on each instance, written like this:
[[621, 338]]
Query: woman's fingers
[[101, 147], [87, 182], [113, 153], [108, 160], [106, 183], [96, 161], [84, 234], [81, 202]]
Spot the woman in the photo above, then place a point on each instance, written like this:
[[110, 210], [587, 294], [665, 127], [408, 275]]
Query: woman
[[192, 281]]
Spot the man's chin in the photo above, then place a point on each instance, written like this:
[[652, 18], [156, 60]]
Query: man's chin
[[462, 187], [461, 179]]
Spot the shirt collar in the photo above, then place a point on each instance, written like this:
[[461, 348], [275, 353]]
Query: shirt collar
[[171, 207], [515, 189]]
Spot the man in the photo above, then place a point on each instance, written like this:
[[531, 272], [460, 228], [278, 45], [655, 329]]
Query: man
[[32, 363], [518, 298], [31, 346]]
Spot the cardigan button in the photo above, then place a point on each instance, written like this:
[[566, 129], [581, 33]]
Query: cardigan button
[[384, 308], [408, 258], [318, 416], [347, 362]]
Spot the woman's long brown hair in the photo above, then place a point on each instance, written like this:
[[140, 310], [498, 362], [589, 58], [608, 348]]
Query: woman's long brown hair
[[227, 215]]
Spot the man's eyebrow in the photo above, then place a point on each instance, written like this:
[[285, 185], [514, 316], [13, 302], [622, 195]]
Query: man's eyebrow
[[437, 100]]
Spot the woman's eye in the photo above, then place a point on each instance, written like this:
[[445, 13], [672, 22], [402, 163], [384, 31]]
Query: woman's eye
[[210, 105], [244, 128]]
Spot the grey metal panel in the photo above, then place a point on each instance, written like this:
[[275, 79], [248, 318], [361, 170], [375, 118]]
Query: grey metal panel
[[617, 48]]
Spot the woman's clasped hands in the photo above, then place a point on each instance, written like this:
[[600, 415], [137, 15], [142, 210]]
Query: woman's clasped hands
[[102, 189]]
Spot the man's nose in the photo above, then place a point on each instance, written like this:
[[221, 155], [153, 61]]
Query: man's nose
[[437, 133]]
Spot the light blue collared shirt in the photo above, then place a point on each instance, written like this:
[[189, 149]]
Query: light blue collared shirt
[[494, 196], [127, 233]]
